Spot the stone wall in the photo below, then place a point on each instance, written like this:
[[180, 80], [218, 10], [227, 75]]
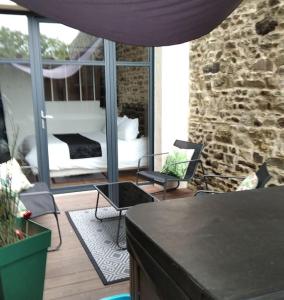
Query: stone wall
[[237, 92], [133, 84]]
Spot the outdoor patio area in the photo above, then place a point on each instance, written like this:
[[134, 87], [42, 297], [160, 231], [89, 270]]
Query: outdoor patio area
[[145, 139], [70, 274]]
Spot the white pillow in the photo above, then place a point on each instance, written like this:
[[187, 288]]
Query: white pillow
[[119, 121], [249, 183], [13, 170], [128, 129]]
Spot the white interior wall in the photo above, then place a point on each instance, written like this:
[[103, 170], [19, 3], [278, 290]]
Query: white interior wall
[[69, 117], [172, 102], [75, 116]]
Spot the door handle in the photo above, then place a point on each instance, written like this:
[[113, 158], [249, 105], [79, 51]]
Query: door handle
[[43, 116]]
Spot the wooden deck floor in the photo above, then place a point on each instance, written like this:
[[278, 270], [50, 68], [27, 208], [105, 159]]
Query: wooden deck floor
[[70, 274]]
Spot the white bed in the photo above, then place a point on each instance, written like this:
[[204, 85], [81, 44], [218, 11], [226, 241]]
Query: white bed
[[60, 164]]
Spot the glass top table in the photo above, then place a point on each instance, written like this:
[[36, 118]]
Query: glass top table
[[121, 196]]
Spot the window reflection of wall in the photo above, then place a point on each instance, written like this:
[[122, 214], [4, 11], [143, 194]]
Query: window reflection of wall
[[88, 84], [133, 94], [131, 53]]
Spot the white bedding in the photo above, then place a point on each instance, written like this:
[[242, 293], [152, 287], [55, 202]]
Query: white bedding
[[59, 157]]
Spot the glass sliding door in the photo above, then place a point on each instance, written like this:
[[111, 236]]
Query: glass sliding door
[[133, 106], [58, 103], [74, 92], [17, 126]]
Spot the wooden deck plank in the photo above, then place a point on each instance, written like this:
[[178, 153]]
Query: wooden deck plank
[[70, 274]]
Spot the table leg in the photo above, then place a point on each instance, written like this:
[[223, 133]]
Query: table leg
[[98, 196], [118, 230]]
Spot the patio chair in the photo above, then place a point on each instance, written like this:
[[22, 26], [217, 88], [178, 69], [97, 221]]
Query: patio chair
[[262, 174], [164, 179], [40, 201]]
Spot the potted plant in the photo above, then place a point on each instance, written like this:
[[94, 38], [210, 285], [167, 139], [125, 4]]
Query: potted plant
[[23, 249]]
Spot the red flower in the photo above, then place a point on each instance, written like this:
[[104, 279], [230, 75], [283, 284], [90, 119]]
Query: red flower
[[27, 215], [19, 234]]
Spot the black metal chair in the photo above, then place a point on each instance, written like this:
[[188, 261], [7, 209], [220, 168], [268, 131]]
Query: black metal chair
[[40, 201], [163, 179], [262, 174]]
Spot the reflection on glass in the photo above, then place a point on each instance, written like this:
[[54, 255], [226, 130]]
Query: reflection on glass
[[77, 125], [133, 98], [74, 83], [16, 99], [73, 87], [14, 37], [131, 53], [59, 42], [88, 77], [59, 89], [125, 194]]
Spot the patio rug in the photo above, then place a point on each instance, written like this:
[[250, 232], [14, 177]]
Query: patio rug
[[98, 240]]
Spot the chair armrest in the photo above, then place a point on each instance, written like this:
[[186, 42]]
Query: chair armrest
[[35, 193], [186, 161], [148, 155], [223, 176], [207, 192]]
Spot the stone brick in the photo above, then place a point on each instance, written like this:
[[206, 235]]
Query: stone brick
[[263, 65], [273, 2], [265, 26], [224, 137], [212, 68], [257, 158], [281, 71], [277, 162], [241, 104], [279, 60], [281, 122], [255, 84]]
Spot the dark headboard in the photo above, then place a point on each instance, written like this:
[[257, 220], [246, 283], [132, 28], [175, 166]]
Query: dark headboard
[[136, 110]]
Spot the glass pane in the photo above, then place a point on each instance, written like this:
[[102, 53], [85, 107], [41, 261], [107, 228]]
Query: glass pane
[[60, 42], [88, 82], [47, 89], [13, 37], [124, 194], [74, 83], [73, 86], [133, 99], [59, 89], [76, 133], [17, 116], [131, 53]]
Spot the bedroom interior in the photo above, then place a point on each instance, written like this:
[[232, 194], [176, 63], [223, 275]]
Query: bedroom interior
[[74, 93]]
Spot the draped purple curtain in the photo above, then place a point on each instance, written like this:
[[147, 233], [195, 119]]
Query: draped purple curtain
[[137, 22]]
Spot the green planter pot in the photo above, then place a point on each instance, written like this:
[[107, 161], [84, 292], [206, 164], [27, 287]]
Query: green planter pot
[[22, 264]]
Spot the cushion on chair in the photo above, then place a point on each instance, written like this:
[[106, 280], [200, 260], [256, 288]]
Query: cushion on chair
[[249, 183], [175, 156], [13, 170]]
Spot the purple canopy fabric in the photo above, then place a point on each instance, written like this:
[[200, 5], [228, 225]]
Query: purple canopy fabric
[[137, 22]]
